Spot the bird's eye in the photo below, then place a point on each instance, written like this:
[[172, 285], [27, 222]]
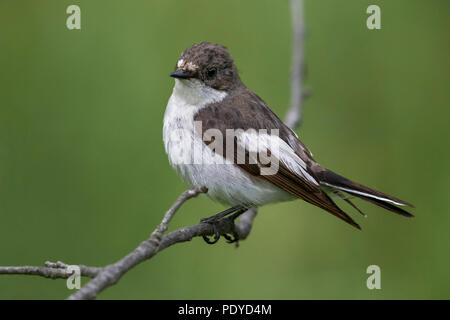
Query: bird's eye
[[211, 73]]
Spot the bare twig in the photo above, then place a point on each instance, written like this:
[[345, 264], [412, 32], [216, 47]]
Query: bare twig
[[52, 270], [147, 249], [110, 274], [294, 115], [103, 277]]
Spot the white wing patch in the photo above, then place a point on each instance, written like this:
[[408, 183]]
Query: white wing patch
[[260, 142]]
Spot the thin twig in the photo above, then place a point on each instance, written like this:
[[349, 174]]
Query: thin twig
[[294, 115], [52, 270], [147, 249], [109, 275]]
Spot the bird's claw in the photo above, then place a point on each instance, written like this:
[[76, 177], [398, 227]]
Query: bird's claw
[[216, 235], [231, 238]]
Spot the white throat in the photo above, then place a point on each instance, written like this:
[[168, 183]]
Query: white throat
[[195, 93]]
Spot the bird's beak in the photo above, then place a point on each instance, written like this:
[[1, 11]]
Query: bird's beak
[[182, 74]]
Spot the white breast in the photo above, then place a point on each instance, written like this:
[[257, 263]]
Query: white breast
[[196, 163]]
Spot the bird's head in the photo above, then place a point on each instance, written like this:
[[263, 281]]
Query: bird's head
[[208, 63]]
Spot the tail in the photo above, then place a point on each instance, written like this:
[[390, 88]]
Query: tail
[[333, 180]]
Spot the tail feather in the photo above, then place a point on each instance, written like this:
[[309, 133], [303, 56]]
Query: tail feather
[[388, 206], [355, 207], [333, 180], [344, 197]]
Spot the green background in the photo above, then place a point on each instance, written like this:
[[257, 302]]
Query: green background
[[84, 177]]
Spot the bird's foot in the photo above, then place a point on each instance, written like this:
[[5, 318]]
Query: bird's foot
[[215, 237], [233, 237], [220, 222]]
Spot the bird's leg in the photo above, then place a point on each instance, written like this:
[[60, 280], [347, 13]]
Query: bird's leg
[[220, 215], [236, 211], [235, 237]]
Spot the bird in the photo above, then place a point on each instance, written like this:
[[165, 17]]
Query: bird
[[210, 108]]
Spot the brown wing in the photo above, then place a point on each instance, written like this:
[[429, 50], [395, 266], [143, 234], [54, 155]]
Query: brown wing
[[300, 187], [230, 114]]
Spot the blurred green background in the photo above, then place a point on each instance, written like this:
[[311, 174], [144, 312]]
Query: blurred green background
[[84, 177]]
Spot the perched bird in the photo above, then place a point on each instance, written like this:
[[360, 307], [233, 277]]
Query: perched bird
[[209, 102]]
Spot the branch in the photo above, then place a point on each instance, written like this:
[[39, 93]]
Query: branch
[[294, 114], [157, 242], [103, 277], [52, 270], [59, 269]]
